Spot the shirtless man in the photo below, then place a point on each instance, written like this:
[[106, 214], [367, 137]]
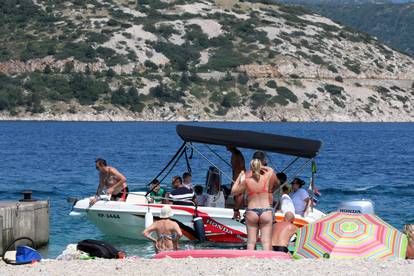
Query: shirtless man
[[168, 231], [111, 179], [283, 232], [237, 165]]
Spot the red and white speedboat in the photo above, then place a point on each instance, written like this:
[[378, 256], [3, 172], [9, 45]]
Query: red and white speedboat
[[127, 219]]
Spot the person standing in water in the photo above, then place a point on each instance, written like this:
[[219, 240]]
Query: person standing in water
[[259, 214], [237, 166], [168, 231], [112, 180]]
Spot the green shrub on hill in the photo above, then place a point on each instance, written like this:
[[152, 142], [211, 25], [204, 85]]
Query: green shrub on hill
[[242, 79], [317, 60], [334, 90], [259, 99], [227, 58], [231, 99], [81, 51], [11, 94], [87, 89], [196, 36], [353, 66], [165, 30], [306, 105], [129, 99], [287, 94], [271, 84], [99, 38], [165, 94], [180, 56]]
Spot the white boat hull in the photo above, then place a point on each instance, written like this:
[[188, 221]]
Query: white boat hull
[[127, 219]]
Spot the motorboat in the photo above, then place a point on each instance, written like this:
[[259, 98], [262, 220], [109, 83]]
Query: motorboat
[[127, 219]]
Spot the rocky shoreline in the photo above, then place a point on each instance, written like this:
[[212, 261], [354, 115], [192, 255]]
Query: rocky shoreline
[[232, 117]]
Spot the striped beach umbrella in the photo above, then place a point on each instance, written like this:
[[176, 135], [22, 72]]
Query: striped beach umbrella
[[342, 235]]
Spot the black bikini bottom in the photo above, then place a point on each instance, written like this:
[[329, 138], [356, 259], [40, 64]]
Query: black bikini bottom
[[280, 249], [260, 211]]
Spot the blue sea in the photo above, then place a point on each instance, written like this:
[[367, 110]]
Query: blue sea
[[56, 160]]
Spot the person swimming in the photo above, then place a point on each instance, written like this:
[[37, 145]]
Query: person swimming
[[168, 231], [112, 180], [259, 212]]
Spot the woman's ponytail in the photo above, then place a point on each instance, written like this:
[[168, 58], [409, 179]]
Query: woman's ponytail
[[256, 166]]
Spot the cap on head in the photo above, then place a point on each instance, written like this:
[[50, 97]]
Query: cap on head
[[166, 212], [289, 216]]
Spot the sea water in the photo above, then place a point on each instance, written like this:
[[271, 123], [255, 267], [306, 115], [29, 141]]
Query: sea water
[[56, 160]]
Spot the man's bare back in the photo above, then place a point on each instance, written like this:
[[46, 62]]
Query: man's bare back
[[283, 231]]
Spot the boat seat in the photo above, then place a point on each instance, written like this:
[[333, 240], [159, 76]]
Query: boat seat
[[136, 198]]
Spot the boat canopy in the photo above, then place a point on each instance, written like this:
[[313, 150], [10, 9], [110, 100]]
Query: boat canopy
[[299, 147]]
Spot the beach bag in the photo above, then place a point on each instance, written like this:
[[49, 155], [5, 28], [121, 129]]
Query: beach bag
[[24, 254], [100, 249]]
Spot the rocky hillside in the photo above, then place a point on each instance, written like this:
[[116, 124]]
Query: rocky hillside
[[393, 24], [193, 60]]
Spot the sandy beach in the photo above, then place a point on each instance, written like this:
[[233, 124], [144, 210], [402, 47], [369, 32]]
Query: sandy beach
[[238, 267]]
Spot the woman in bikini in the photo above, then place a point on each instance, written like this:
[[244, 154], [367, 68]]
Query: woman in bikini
[[259, 212], [112, 180], [168, 231]]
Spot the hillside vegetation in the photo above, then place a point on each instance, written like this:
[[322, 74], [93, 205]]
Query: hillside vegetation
[[187, 59], [393, 24]]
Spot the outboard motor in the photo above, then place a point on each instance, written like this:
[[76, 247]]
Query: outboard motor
[[357, 207]]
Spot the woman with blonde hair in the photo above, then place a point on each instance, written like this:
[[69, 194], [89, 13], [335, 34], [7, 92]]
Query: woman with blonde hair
[[409, 231], [259, 213]]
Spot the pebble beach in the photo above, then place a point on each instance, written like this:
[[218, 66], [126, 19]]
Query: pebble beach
[[221, 266]]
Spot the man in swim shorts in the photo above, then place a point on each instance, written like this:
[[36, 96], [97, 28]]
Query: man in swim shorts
[[112, 180], [283, 232]]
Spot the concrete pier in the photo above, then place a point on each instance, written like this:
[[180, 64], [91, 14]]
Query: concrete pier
[[24, 219]]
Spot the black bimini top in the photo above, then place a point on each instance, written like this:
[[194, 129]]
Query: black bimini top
[[251, 140]]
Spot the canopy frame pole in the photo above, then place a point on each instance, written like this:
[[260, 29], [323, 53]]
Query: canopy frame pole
[[290, 164], [169, 162], [218, 155], [290, 178], [270, 161], [173, 166], [202, 155]]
